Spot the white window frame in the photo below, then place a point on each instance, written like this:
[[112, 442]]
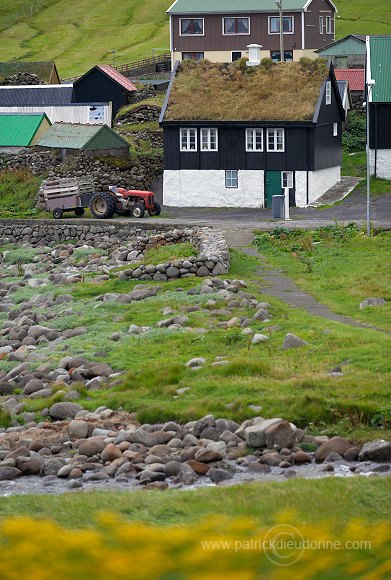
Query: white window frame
[[236, 33], [321, 25], [187, 131], [288, 177], [278, 18], [208, 132], [335, 129], [231, 178], [274, 132], [328, 92], [253, 139], [329, 25], [232, 52], [192, 35]]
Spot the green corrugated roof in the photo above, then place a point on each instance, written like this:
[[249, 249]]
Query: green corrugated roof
[[380, 63], [232, 6], [75, 136], [19, 130]]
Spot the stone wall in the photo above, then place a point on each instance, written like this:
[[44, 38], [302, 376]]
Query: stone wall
[[357, 102], [212, 258], [136, 173], [145, 92], [140, 114]]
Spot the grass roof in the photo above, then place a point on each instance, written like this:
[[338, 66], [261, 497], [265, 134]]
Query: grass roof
[[42, 69], [221, 91]]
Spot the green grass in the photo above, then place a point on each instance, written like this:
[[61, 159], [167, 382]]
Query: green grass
[[84, 34], [170, 252], [367, 498], [17, 195], [354, 164], [338, 272], [158, 100]]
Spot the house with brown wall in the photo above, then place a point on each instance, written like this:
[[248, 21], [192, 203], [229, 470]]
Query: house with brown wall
[[221, 30]]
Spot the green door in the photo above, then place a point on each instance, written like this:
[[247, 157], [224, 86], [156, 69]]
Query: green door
[[272, 186]]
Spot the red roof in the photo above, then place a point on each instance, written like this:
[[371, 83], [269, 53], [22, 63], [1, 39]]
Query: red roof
[[117, 77], [355, 77]]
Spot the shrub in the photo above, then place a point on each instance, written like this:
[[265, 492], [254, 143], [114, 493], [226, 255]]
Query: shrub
[[19, 255], [354, 136], [5, 418]]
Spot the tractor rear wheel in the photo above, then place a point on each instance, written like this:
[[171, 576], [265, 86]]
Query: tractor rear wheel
[[102, 205], [156, 209], [138, 210]]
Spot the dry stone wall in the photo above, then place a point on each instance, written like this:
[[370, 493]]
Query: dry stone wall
[[212, 250]]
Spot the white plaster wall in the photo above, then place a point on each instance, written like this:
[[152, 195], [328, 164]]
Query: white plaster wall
[[320, 181], [383, 163], [226, 55], [206, 188], [301, 188]]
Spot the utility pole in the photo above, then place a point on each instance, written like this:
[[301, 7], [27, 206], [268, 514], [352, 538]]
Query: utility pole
[[279, 6], [370, 83]]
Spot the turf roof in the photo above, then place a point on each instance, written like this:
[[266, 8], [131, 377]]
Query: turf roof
[[215, 91]]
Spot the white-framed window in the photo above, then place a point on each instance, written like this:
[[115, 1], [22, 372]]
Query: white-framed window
[[335, 129], [236, 25], [329, 25], [232, 178], [209, 140], [328, 92], [188, 138], [287, 179], [287, 25], [236, 55], [192, 55], [321, 25], [275, 55], [275, 140], [191, 26], [254, 139]]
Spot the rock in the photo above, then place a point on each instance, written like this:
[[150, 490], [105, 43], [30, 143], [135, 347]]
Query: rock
[[9, 473], [302, 457], [92, 446], [372, 302], [32, 466], [259, 338], [195, 362], [219, 475], [255, 435], [352, 454], [186, 475], [208, 455], [98, 370], [110, 453], [202, 424], [255, 467], [378, 450], [333, 457], [280, 435], [148, 475], [61, 411], [273, 459], [78, 429], [335, 445], [32, 386], [197, 467], [293, 341]]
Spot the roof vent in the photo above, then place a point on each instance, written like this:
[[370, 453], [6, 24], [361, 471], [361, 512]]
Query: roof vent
[[254, 54]]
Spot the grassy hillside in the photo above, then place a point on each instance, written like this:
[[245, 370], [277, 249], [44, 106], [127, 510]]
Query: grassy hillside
[[82, 32]]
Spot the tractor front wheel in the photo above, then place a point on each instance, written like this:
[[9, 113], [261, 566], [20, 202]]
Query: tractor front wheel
[[103, 205], [138, 210], [156, 209]]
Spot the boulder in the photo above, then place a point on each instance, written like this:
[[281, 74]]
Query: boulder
[[280, 435], [372, 302], [78, 429], [335, 445], [92, 446], [293, 341], [255, 435], [9, 473], [378, 450], [61, 411], [219, 475]]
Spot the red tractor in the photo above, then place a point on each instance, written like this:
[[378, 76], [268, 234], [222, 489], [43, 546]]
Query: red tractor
[[105, 204]]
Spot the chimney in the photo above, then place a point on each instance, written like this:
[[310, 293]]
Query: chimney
[[254, 54]]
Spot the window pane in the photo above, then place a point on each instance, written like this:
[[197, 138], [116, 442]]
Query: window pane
[[213, 139], [192, 139], [183, 139], [191, 26], [249, 140], [258, 140], [243, 25], [274, 24], [286, 24], [229, 25], [288, 55], [270, 139], [204, 138]]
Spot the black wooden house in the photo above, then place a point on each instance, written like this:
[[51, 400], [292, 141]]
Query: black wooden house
[[239, 147], [104, 83]]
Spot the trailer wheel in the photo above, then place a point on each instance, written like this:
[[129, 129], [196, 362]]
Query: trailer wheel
[[79, 211], [138, 210], [102, 205], [156, 210], [57, 213]]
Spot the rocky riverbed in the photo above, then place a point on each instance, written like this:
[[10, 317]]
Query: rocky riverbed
[[62, 446], [108, 449]]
